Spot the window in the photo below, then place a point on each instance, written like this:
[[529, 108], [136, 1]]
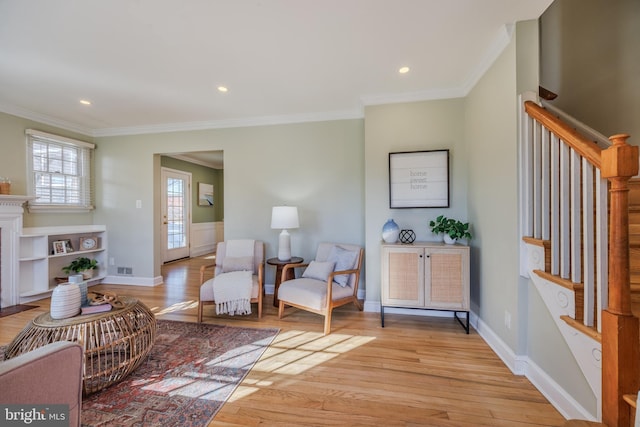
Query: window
[[59, 172]]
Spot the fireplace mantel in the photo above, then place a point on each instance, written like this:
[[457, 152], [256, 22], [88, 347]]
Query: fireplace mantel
[[14, 200], [11, 211]]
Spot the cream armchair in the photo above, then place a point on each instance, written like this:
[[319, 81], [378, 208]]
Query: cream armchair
[[331, 280], [227, 264]]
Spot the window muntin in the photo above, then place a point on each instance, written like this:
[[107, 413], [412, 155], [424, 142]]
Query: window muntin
[[59, 172]]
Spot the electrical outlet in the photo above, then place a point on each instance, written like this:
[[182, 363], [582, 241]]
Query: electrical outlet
[[112, 261], [507, 319]]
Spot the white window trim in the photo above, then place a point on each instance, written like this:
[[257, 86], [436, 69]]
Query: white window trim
[[33, 206]]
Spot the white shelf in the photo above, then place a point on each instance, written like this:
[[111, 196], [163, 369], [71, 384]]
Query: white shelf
[[76, 253], [39, 266]]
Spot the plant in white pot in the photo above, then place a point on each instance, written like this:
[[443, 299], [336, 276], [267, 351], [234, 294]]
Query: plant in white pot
[[451, 228], [82, 265]]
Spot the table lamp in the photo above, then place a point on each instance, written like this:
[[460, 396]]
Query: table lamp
[[284, 217]]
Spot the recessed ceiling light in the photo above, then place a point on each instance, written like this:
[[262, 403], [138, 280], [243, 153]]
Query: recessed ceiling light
[[403, 70], [85, 102], [222, 89]]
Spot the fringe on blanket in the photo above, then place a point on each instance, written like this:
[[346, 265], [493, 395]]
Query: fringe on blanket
[[239, 307]]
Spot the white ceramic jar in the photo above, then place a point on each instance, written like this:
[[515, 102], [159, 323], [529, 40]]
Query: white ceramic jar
[[65, 301]]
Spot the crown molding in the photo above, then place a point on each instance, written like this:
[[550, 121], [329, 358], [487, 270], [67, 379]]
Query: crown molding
[[425, 95], [187, 126], [47, 120], [493, 52], [232, 123], [216, 165]]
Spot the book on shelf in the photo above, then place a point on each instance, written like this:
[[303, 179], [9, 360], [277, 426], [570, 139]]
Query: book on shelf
[[92, 309]]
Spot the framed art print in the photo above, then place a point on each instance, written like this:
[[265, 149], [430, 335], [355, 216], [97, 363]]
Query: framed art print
[[419, 179], [205, 194]]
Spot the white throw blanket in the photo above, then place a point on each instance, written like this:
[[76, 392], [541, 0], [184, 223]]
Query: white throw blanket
[[232, 290]]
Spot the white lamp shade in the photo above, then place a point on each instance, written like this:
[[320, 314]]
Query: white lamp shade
[[284, 217]]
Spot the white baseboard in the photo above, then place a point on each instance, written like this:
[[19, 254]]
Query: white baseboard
[[522, 365], [555, 394]]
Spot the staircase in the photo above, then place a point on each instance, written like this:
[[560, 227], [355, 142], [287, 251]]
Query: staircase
[[580, 221]]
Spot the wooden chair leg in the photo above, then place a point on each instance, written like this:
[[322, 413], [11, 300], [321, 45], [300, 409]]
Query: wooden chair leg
[[199, 311], [280, 309], [327, 322], [260, 305], [358, 304]]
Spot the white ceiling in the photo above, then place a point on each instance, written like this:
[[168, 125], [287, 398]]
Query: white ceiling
[[154, 65]]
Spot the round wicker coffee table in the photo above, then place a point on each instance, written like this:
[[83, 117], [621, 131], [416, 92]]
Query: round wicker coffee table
[[115, 342]]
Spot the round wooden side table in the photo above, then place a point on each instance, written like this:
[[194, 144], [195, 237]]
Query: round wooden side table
[[290, 274], [114, 342]]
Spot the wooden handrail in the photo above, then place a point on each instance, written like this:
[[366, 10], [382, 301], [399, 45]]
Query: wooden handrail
[[584, 146]]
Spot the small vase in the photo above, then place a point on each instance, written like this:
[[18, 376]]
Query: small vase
[[65, 301], [390, 231], [449, 240], [82, 284]]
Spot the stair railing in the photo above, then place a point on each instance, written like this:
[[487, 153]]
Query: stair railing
[[567, 207], [576, 197]]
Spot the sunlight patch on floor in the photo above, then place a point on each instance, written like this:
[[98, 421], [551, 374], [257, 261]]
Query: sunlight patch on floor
[[241, 392], [294, 352], [179, 306]]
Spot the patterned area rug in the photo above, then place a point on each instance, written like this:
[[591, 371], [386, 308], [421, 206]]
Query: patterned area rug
[[191, 371]]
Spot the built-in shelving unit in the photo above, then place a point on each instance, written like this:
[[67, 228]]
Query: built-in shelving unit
[[39, 265]]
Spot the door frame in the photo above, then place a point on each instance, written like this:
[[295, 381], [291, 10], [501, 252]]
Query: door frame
[[163, 232]]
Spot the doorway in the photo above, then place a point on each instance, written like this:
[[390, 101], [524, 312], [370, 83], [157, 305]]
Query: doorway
[[176, 214]]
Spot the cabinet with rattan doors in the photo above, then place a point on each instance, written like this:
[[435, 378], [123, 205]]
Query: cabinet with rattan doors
[[426, 276]]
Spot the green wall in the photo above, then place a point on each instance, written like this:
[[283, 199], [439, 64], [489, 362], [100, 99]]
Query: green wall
[[205, 175], [416, 126], [13, 163], [316, 166]]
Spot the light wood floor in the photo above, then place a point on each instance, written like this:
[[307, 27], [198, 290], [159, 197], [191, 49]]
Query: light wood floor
[[415, 371]]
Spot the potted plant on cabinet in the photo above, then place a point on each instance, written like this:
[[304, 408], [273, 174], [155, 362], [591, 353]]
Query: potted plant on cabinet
[[451, 228], [82, 265]]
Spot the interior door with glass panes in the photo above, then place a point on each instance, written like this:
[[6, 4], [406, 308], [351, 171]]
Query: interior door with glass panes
[[176, 214]]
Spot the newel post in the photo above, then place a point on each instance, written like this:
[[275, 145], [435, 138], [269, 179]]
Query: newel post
[[620, 345]]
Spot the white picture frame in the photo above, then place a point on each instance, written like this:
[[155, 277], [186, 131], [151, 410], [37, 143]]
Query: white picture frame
[[419, 179], [59, 247]]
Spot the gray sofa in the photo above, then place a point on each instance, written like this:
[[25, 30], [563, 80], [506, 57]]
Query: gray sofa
[[49, 375]]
